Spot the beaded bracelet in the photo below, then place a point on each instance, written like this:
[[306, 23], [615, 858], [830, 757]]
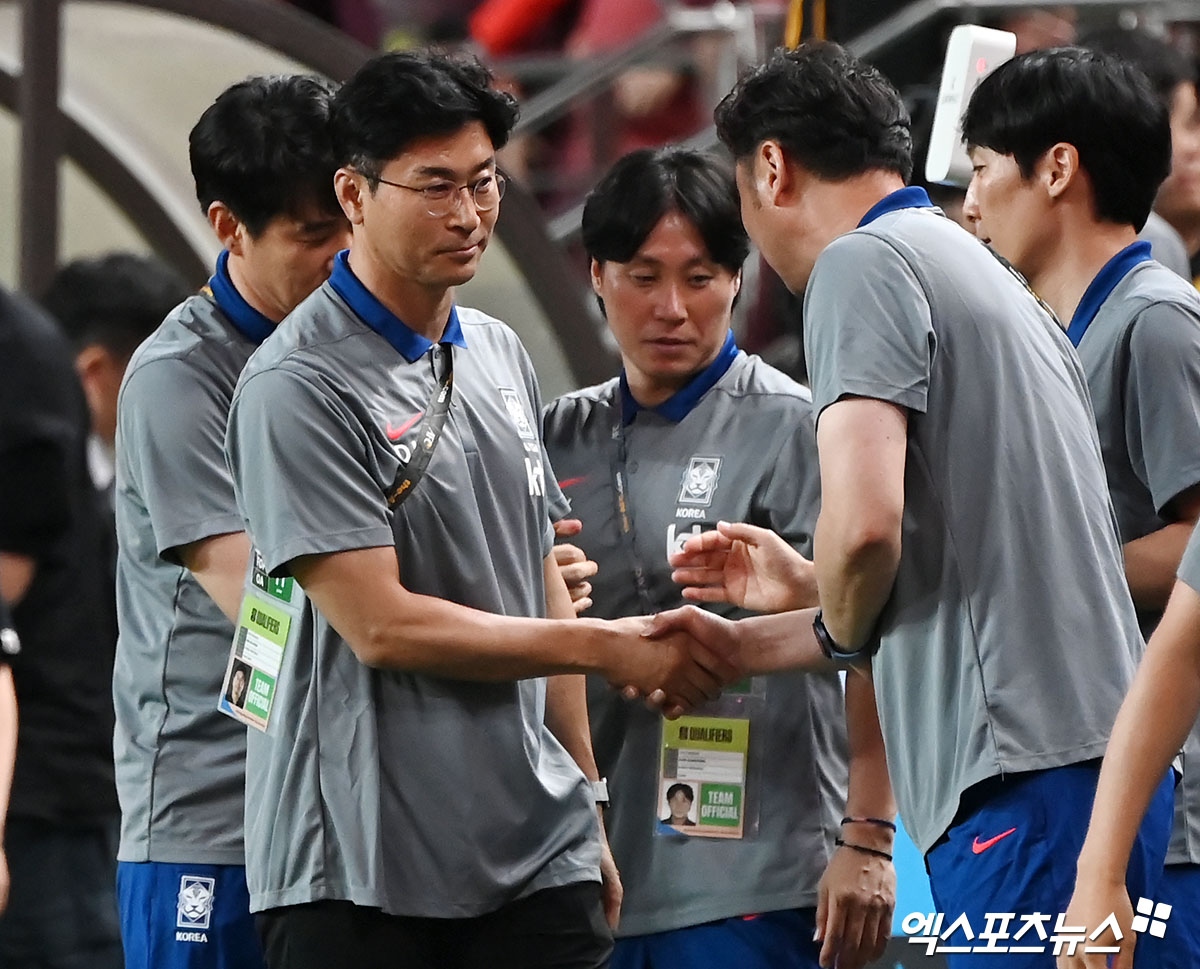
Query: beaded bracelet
[[879, 822], [863, 848]]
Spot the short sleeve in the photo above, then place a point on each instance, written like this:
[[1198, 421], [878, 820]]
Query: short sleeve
[[300, 470], [1189, 567], [171, 429], [557, 504], [790, 500], [1162, 400], [868, 330]]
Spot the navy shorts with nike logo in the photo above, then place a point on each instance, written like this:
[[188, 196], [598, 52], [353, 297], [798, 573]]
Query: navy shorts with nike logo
[[1012, 849]]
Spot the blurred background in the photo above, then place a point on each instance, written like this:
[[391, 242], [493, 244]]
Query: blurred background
[[93, 137]]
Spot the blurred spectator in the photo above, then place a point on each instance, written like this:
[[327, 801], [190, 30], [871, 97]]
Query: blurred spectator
[[107, 307], [60, 838], [1173, 77], [1041, 27], [361, 19], [503, 28]]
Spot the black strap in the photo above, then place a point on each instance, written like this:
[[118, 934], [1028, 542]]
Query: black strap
[[625, 518], [436, 411]]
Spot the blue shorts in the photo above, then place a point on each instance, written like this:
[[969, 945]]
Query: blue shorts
[[1013, 850], [774, 940], [1179, 948], [186, 917]]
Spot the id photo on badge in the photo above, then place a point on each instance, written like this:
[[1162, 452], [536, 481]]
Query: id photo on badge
[[678, 804], [239, 682]]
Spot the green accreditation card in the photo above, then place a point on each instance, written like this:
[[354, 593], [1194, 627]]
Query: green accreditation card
[[702, 784], [269, 612]]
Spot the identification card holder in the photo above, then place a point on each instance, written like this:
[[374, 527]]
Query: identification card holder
[[702, 790], [270, 620]]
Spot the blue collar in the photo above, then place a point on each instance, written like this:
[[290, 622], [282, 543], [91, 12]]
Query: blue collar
[[1100, 288], [676, 407], [913, 197], [409, 344], [248, 321]]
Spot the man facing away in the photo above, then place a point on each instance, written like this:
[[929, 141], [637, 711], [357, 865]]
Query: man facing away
[[263, 164], [965, 538]]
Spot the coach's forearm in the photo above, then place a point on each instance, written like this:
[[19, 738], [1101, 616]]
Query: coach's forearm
[[780, 642], [441, 638]]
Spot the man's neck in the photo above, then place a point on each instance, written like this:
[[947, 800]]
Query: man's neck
[[423, 309], [247, 290], [1079, 255]]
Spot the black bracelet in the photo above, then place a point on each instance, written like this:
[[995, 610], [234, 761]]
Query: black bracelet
[[878, 822], [863, 848]]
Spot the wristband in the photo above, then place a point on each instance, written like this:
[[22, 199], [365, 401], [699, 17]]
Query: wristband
[[833, 652], [600, 791], [878, 822], [863, 848]]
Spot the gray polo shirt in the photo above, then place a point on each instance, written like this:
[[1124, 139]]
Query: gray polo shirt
[[1137, 331], [754, 425], [413, 794], [1189, 568], [1009, 639], [179, 763]]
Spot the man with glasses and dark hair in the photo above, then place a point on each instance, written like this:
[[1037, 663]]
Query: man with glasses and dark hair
[[263, 166], [421, 797]]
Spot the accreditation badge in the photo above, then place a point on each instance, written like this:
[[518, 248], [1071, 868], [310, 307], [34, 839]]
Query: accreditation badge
[[702, 780], [270, 615]]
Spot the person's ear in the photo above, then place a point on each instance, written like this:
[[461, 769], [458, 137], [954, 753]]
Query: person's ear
[[596, 272], [229, 229], [1059, 168], [351, 189], [773, 176]]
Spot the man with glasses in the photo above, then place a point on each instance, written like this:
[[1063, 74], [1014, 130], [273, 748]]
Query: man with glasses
[[422, 797]]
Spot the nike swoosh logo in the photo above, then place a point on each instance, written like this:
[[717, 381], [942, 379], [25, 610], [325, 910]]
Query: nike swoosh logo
[[568, 482], [395, 433], [979, 847]]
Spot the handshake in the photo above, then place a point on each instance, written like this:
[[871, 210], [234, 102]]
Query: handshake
[[680, 659]]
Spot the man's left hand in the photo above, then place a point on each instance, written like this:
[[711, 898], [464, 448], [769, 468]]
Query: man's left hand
[[856, 898]]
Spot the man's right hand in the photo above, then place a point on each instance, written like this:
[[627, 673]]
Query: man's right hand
[[673, 669], [745, 565]]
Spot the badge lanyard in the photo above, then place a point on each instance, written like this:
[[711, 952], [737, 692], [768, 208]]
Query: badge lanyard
[[624, 519], [408, 476]]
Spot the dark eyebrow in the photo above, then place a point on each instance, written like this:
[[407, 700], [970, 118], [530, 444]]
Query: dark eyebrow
[[434, 171]]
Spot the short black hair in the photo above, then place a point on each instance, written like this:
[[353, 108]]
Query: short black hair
[[265, 149], [401, 96], [1164, 66], [684, 789], [115, 301], [835, 114], [1103, 106], [649, 183]]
